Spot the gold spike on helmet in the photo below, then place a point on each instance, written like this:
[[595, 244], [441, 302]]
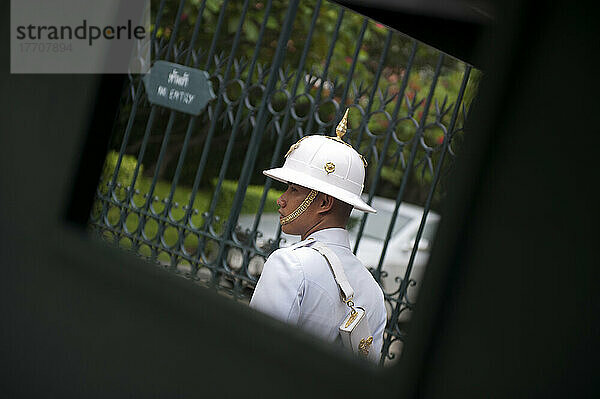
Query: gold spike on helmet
[[342, 127]]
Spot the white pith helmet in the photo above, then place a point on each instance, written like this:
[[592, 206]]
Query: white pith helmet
[[328, 165]]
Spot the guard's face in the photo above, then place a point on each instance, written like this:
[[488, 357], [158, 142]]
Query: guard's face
[[288, 202]]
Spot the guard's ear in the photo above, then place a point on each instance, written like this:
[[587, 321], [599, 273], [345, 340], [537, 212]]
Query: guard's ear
[[325, 203]]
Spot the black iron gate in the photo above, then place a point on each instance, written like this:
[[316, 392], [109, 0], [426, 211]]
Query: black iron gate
[[175, 186]]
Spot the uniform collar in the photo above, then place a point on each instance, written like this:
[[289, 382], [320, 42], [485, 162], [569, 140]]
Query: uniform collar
[[334, 236]]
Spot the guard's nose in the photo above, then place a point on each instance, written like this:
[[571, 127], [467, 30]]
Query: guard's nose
[[281, 202]]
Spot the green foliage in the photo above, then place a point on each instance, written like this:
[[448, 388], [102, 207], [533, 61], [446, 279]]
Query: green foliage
[[439, 113], [345, 46], [251, 200], [126, 171]]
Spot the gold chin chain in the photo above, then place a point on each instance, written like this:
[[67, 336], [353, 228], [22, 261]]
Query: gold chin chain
[[301, 208]]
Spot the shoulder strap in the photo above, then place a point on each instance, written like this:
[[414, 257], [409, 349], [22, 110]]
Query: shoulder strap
[[338, 271], [302, 243]]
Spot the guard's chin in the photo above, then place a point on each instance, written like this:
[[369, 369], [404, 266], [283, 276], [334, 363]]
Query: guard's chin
[[285, 228]]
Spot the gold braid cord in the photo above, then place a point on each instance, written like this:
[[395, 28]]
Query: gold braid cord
[[301, 208]]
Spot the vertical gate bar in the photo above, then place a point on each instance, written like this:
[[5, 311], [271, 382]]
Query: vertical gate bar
[[389, 133], [149, 200], [140, 157], [359, 41], [223, 88], [198, 177], [172, 115], [286, 118], [235, 127], [222, 91], [178, 168], [131, 188], [237, 120], [190, 126], [196, 32], [128, 128], [175, 29], [367, 117], [130, 121], [259, 127], [149, 123], [447, 139], [156, 23], [436, 177], [323, 78], [165, 213], [407, 173], [136, 171], [192, 119], [413, 153], [217, 111], [213, 45], [161, 156], [208, 140]]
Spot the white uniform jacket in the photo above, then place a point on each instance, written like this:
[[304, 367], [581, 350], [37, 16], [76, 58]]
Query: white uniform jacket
[[297, 286]]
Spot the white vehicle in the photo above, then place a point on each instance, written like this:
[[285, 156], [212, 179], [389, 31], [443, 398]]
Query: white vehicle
[[371, 243], [400, 245]]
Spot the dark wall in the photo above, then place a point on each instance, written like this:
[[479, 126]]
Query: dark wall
[[514, 273]]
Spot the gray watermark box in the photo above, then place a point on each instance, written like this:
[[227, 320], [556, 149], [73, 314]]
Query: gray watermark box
[[80, 36]]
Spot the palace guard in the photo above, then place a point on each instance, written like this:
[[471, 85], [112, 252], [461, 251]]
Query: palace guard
[[318, 284]]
